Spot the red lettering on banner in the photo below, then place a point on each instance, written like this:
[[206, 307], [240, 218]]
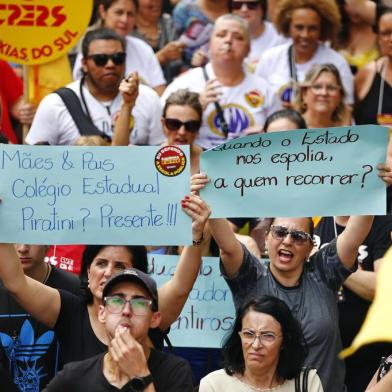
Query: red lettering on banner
[[8, 50], [60, 18], [65, 40], [44, 13], [32, 15]]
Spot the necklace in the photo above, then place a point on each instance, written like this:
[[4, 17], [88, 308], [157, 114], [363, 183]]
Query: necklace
[[48, 271]]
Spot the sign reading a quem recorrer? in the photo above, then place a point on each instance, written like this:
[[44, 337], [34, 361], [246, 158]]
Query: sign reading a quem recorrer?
[[329, 171], [93, 195], [39, 31]]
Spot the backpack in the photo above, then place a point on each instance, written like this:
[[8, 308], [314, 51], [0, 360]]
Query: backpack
[[304, 388], [83, 122]]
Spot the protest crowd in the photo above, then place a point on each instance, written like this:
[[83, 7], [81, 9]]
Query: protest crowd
[[89, 317]]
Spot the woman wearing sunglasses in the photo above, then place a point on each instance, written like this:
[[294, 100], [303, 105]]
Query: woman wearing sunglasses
[[307, 283], [181, 122], [264, 351]]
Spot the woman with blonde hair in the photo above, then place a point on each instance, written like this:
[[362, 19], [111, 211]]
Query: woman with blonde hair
[[320, 98]]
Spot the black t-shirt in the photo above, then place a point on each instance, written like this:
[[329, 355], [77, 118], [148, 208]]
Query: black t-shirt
[[352, 308], [31, 349], [170, 374], [75, 334]]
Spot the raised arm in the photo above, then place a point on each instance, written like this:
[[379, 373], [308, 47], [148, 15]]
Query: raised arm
[[384, 385], [173, 294], [42, 302], [129, 89], [366, 9], [353, 235], [230, 248]]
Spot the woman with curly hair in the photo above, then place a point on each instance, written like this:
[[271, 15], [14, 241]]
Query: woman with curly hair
[[265, 351], [310, 23], [320, 98]]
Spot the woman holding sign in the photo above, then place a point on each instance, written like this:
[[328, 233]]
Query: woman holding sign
[[307, 283], [265, 351], [75, 319]]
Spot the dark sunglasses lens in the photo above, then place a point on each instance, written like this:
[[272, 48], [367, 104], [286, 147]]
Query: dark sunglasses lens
[[280, 231], [172, 124], [298, 236], [237, 5], [118, 58], [192, 126], [100, 59]]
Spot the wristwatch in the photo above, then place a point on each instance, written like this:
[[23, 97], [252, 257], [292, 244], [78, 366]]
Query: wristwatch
[[139, 384]]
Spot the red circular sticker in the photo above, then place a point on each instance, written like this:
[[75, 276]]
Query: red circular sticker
[[170, 161]]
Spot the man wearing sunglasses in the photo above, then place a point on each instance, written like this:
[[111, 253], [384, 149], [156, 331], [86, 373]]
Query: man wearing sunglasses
[[233, 99], [129, 309], [99, 99]]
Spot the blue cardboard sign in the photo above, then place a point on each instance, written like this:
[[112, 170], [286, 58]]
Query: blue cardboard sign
[[209, 312], [94, 195], [307, 172]]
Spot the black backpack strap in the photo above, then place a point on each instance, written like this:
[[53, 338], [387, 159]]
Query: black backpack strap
[[297, 383], [305, 378], [222, 121], [72, 102]]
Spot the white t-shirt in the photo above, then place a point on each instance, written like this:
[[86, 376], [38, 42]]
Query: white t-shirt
[[247, 104], [274, 67], [140, 58], [219, 380], [269, 39], [54, 124]]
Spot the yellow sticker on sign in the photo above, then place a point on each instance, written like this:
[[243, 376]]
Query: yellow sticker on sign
[[39, 31]]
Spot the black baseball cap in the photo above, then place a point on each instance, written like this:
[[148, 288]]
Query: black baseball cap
[[137, 276]]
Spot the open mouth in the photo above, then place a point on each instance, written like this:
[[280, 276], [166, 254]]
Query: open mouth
[[285, 255]]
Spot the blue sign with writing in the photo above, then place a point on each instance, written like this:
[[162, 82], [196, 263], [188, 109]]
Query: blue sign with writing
[[208, 313], [308, 172], [94, 195]]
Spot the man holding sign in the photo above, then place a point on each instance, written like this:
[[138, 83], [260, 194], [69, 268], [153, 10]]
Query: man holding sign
[[99, 99]]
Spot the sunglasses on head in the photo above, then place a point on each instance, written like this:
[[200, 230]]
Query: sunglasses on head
[[251, 5], [172, 124], [298, 236], [101, 59]]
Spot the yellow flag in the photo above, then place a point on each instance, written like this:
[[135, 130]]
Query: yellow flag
[[377, 326], [46, 78]]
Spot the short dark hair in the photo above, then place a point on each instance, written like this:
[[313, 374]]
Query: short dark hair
[[184, 97], [263, 4], [380, 12], [139, 261], [289, 114], [101, 33], [293, 351]]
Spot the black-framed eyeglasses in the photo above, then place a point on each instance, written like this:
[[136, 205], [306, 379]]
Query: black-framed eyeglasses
[[101, 59], [251, 5], [249, 336], [172, 124], [115, 304], [298, 236]]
